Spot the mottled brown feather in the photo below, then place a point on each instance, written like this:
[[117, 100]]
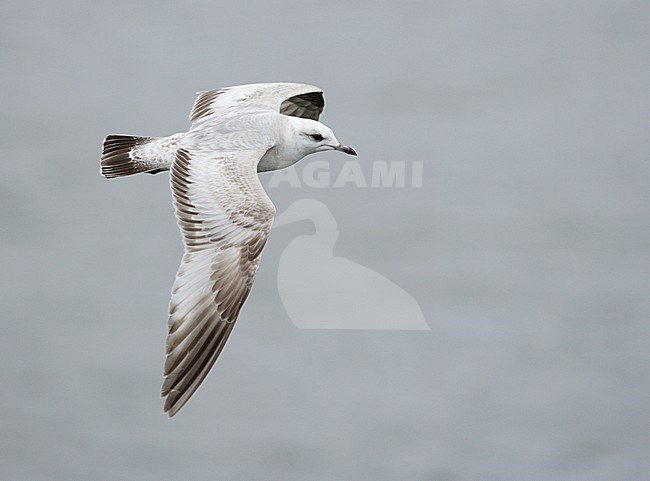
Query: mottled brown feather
[[222, 252]]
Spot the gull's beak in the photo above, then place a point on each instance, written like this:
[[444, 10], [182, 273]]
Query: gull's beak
[[346, 149]]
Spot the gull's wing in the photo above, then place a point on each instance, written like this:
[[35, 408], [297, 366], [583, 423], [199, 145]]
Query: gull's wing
[[225, 217], [297, 100]]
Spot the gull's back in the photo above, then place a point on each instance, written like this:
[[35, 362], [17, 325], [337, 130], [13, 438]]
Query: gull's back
[[211, 114]]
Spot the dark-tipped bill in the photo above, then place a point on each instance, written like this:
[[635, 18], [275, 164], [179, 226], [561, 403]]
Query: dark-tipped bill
[[346, 149]]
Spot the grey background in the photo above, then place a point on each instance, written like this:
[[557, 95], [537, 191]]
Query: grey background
[[527, 246]]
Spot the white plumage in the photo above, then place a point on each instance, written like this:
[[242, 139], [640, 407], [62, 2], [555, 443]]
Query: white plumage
[[222, 210]]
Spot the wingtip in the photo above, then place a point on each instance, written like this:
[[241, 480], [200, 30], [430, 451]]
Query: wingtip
[[171, 408]]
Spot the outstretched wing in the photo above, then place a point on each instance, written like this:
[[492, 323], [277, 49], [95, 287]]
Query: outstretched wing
[[297, 100], [225, 217]]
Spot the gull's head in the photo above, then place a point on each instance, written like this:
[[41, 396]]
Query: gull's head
[[311, 136]]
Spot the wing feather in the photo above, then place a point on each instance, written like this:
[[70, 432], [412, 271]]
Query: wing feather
[[297, 100], [225, 217]]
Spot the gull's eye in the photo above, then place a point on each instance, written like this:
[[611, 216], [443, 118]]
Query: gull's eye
[[317, 137]]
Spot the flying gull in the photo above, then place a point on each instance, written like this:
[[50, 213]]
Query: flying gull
[[222, 210]]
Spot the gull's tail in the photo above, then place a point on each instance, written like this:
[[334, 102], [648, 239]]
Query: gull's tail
[[129, 154]]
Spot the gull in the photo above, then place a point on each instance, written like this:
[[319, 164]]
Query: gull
[[222, 210]]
